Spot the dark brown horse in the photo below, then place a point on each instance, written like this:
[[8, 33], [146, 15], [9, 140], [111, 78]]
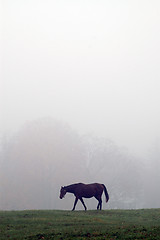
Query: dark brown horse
[[81, 190]]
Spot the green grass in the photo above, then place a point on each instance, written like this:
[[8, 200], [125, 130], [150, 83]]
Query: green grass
[[108, 224]]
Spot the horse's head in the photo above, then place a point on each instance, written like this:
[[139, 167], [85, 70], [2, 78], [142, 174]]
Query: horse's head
[[62, 192]]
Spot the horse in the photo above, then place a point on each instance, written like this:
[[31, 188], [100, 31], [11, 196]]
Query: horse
[[81, 190]]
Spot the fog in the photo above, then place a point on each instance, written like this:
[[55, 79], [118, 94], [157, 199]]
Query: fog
[[79, 101]]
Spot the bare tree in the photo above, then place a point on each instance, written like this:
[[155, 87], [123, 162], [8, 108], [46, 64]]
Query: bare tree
[[117, 169], [44, 155], [152, 177]]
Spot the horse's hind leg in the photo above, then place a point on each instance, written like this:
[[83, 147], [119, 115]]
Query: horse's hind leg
[[100, 203], [81, 199], [99, 206]]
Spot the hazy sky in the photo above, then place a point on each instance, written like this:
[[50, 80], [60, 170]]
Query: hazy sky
[[92, 63]]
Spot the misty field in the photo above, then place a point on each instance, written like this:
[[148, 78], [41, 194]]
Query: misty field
[[108, 224]]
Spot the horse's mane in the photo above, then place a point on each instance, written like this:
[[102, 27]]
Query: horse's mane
[[75, 184]]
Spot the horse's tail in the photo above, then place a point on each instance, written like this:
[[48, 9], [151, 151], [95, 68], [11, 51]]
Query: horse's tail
[[106, 193]]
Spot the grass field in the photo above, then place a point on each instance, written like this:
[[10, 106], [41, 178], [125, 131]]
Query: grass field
[[108, 224]]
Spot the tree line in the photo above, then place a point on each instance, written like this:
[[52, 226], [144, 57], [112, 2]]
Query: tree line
[[47, 154]]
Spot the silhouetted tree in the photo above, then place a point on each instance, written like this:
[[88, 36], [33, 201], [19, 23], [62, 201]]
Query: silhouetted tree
[[152, 177], [118, 170], [44, 155]]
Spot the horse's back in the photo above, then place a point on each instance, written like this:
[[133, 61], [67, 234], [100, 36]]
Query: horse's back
[[89, 190], [96, 185]]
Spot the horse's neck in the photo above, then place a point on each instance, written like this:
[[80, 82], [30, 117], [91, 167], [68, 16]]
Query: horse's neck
[[70, 188]]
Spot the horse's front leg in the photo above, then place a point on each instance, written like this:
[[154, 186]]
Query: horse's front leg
[[75, 202], [83, 204]]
